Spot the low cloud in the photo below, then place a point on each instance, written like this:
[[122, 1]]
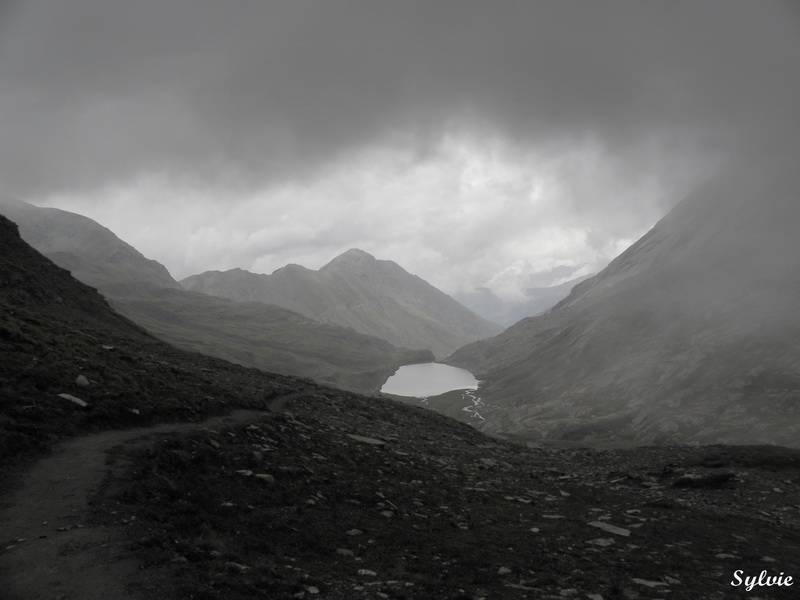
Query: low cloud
[[467, 215], [472, 142]]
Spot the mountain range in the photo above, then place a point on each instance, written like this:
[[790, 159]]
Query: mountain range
[[374, 297], [691, 335], [254, 334], [159, 473]]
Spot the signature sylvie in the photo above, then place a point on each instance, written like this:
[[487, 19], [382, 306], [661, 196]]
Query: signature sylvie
[[762, 579]]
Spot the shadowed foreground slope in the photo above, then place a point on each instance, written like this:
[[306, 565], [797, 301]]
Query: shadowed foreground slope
[[342, 497]]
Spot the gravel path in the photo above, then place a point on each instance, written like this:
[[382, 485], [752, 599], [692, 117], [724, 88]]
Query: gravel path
[[49, 548]]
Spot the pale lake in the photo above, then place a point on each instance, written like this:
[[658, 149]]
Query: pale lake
[[428, 379]]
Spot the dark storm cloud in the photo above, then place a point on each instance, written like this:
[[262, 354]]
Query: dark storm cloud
[[94, 91]]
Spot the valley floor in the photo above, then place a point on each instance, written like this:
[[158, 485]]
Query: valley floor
[[345, 497]]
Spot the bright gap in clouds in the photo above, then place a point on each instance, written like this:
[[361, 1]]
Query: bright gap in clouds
[[469, 214]]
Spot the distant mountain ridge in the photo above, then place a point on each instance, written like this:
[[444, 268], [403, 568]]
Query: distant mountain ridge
[[692, 334], [505, 313], [258, 335], [29, 280], [374, 297], [91, 252]]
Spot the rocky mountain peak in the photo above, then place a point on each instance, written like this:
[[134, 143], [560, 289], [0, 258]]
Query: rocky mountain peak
[[356, 290], [290, 269], [353, 259], [354, 254]]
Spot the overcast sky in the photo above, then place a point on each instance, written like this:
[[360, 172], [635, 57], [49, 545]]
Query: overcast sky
[[496, 144]]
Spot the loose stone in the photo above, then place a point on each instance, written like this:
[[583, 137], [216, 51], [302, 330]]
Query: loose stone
[[610, 528]]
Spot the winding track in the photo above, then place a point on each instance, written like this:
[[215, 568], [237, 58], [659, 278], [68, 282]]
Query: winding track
[[47, 551]]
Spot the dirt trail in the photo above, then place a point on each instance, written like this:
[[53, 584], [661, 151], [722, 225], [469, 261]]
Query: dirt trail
[[48, 549]]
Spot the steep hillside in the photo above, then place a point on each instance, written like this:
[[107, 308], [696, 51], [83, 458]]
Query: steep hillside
[[69, 363], [267, 337], [692, 334], [374, 297], [92, 253]]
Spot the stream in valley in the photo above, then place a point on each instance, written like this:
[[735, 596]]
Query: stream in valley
[[426, 380]]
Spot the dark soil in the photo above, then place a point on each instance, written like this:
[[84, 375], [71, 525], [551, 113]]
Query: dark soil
[[54, 545], [344, 497]]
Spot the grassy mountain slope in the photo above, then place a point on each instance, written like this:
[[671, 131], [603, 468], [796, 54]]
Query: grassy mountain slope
[[692, 334], [263, 336]]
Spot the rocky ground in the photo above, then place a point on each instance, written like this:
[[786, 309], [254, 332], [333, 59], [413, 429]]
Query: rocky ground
[[344, 497]]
